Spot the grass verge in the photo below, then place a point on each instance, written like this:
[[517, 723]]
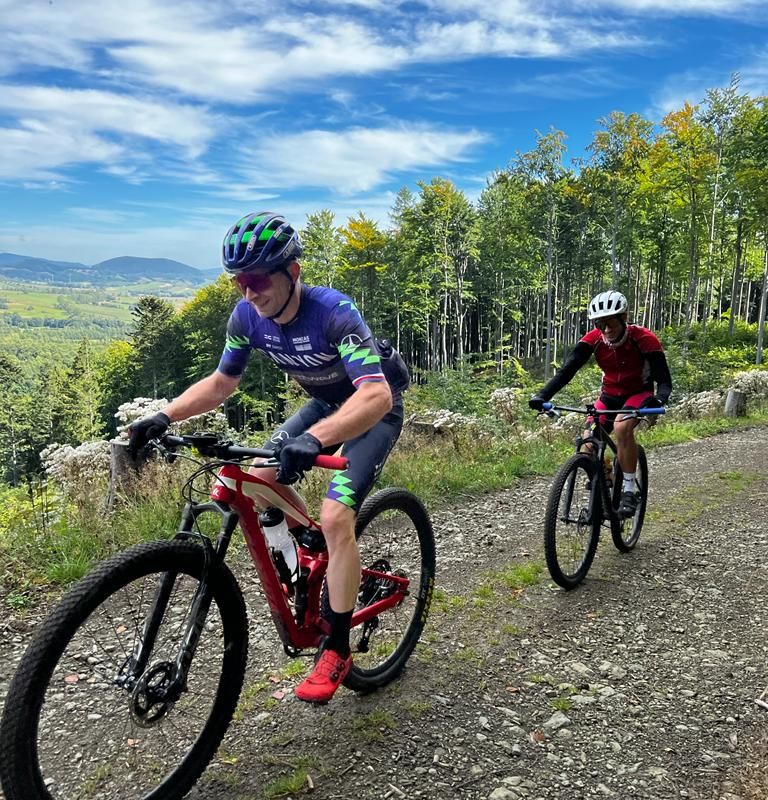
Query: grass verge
[[45, 544]]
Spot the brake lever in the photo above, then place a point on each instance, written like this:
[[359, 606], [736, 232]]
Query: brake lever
[[168, 454], [271, 462]]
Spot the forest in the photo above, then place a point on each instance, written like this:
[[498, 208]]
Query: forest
[[491, 291]]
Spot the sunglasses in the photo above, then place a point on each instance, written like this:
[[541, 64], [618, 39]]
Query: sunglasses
[[256, 281], [602, 324]]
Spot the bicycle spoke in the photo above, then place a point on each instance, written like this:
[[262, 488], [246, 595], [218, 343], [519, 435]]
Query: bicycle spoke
[[389, 544], [572, 522], [87, 712]]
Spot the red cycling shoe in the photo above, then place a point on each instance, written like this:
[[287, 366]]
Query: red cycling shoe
[[321, 684]]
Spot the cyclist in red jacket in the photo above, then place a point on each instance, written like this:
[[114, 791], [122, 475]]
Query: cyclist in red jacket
[[632, 360]]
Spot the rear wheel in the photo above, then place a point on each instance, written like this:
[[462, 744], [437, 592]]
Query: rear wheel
[[395, 537], [80, 723], [572, 522], [626, 532]]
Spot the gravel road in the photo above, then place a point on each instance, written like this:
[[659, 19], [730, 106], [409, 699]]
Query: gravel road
[[639, 684]]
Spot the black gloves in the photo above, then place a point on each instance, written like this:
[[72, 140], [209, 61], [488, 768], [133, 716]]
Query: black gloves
[[296, 457], [652, 402], [537, 402], [141, 431]]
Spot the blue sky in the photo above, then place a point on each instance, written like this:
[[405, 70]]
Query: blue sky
[[146, 127]]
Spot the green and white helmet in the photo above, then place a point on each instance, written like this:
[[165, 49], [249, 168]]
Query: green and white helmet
[[607, 304]]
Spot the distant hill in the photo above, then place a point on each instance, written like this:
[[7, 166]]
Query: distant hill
[[114, 271]]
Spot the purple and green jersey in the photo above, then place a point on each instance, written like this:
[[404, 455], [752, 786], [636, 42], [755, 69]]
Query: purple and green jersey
[[327, 348]]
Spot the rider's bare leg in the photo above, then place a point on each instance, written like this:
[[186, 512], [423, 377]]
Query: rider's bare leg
[[343, 575], [586, 447], [286, 491], [626, 446]]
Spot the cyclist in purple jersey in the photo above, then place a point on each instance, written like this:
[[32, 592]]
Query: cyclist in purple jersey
[[318, 337], [327, 348]]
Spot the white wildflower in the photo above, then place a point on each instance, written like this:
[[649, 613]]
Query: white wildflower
[[443, 418], [507, 403], [81, 472], [211, 421], [753, 382], [700, 404]]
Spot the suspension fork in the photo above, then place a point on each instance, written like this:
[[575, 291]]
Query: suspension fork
[[201, 602], [599, 491]]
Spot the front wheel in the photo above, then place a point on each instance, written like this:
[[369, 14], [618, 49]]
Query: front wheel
[[626, 532], [572, 521], [394, 534], [80, 721]]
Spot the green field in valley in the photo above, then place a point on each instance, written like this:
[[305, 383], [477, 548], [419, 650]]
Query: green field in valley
[[44, 322], [39, 301]]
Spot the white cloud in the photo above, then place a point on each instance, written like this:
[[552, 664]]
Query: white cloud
[[57, 128], [518, 29], [211, 51], [569, 84], [754, 75], [190, 127], [105, 216], [357, 159], [460, 39], [262, 61], [200, 49], [38, 151], [691, 86], [681, 8], [527, 12]]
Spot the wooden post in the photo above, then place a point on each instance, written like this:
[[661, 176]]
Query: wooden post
[[735, 403], [123, 472]]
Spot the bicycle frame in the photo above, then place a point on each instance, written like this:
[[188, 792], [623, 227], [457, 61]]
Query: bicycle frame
[[599, 441], [242, 490], [236, 497]]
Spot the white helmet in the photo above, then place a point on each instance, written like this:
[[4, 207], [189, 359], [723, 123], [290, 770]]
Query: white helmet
[[607, 304]]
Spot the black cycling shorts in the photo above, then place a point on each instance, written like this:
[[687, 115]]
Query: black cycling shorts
[[366, 453]]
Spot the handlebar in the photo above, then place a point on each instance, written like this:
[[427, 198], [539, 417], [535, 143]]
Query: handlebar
[[551, 408], [211, 445]]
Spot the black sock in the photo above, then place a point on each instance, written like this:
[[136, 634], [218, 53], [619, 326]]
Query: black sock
[[338, 641]]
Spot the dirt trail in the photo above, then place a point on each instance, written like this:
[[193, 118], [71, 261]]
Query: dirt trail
[[640, 684]]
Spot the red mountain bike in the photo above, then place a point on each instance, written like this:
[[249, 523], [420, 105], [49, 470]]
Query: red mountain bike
[[127, 688]]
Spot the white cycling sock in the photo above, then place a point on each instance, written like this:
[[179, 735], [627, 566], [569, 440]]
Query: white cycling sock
[[629, 482]]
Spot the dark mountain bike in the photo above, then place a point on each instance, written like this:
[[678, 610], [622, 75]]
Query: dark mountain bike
[[585, 496], [127, 688]]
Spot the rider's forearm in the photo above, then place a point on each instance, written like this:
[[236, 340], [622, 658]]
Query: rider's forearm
[[205, 395], [660, 375], [575, 360], [370, 402]]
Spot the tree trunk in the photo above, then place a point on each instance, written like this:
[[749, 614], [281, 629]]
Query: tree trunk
[[123, 473], [735, 403], [736, 275], [763, 298], [550, 251]]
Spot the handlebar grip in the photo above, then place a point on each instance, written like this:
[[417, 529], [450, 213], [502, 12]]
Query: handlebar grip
[[648, 411], [546, 406], [332, 462]]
